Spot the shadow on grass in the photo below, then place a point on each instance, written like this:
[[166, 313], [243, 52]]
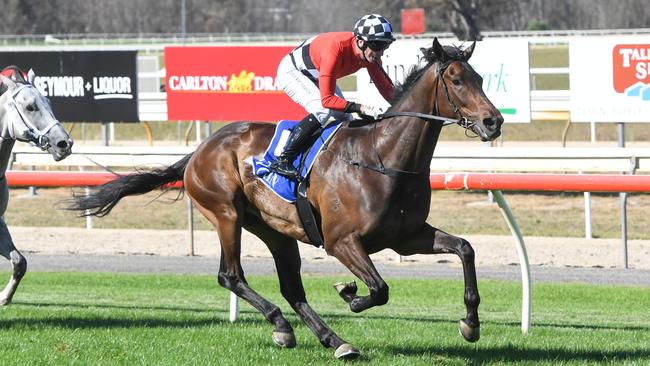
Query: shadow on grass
[[330, 317], [80, 322], [81, 305], [508, 354]]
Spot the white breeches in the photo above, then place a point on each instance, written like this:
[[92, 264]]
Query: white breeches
[[304, 91]]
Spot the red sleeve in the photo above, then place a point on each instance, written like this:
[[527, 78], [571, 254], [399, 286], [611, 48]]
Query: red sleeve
[[382, 81], [327, 83]]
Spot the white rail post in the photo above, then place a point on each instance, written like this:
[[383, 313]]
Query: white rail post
[[623, 198], [190, 225], [523, 261], [89, 219], [197, 130], [32, 190], [588, 234], [234, 307]]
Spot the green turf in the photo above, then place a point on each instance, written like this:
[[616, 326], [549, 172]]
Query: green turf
[[118, 319]]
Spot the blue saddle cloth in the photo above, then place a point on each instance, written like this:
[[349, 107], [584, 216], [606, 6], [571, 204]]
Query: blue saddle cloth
[[281, 185]]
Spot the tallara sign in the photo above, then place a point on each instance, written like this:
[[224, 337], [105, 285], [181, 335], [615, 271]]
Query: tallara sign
[[610, 79]]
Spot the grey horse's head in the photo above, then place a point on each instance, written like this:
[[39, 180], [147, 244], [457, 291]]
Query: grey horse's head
[[26, 115]]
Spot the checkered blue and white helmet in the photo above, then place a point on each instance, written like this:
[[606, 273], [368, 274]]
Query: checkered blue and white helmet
[[374, 27]]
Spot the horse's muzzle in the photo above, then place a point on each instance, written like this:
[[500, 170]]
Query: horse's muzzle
[[61, 150], [489, 128]]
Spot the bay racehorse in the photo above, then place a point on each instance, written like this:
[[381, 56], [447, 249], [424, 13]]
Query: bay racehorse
[[369, 188], [25, 115]]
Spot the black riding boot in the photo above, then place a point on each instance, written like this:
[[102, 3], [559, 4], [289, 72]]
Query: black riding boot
[[299, 135]]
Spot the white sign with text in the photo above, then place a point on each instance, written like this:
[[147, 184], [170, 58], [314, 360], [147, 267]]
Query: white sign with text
[[610, 79]]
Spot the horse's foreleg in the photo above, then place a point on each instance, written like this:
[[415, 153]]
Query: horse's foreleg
[[351, 254], [18, 262], [287, 262], [231, 274], [430, 240]]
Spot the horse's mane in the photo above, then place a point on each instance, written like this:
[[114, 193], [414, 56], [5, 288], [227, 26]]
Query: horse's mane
[[14, 73], [454, 53]]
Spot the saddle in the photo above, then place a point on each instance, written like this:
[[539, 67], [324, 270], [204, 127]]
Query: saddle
[[291, 190]]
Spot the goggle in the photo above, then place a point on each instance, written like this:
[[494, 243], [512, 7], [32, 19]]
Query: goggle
[[378, 46]]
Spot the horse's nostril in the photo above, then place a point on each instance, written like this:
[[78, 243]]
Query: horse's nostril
[[492, 122], [62, 144]]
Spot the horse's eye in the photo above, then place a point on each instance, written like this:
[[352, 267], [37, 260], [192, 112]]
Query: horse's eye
[[456, 82], [32, 108]]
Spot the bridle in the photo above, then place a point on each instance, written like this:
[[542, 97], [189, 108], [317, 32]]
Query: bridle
[[434, 117], [33, 133]]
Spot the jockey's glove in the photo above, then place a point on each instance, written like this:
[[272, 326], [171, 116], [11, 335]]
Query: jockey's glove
[[371, 111]]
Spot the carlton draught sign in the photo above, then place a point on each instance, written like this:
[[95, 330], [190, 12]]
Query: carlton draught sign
[[226, 84]]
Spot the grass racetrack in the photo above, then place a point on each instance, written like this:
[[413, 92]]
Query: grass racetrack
[[123, 319]]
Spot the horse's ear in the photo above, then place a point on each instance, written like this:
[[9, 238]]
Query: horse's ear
[[439, 51], [30, 76], [467, 53], [7, 82]]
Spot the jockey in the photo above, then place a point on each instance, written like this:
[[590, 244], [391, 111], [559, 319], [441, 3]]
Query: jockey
[[308, 74]]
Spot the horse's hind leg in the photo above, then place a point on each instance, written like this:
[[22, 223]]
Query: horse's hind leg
[[430, 240], [8, 250], [231, 274], [287, 262]]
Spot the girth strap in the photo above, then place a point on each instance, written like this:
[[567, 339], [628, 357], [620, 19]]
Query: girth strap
[[306, 215]]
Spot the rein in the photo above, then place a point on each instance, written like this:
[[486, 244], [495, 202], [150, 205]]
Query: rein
[[461, 121]]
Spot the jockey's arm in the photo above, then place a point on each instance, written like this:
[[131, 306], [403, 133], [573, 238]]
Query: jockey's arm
[[328, 97]]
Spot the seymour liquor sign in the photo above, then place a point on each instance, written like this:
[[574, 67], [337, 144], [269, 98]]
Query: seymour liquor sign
[[226, 84], [610, 79], [84, 86]]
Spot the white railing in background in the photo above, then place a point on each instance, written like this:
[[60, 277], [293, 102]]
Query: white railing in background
[[445, 158]]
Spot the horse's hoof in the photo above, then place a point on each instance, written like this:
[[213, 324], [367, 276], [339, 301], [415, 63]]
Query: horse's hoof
[[284, 339], [346, 352], [343, 288], [470, 334], [5, 301]]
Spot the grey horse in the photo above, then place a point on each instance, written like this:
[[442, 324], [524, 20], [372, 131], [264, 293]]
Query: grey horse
[[25, 115]]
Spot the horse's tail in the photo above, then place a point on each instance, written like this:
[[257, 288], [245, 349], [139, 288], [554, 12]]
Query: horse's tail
[[103, 198]]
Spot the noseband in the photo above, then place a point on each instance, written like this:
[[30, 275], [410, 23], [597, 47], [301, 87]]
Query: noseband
[[34, 134], [461, 120]]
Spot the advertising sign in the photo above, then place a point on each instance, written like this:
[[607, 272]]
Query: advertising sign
[[610, 79], [84, 86], [413, 21], [503, 64], [227, 84]]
